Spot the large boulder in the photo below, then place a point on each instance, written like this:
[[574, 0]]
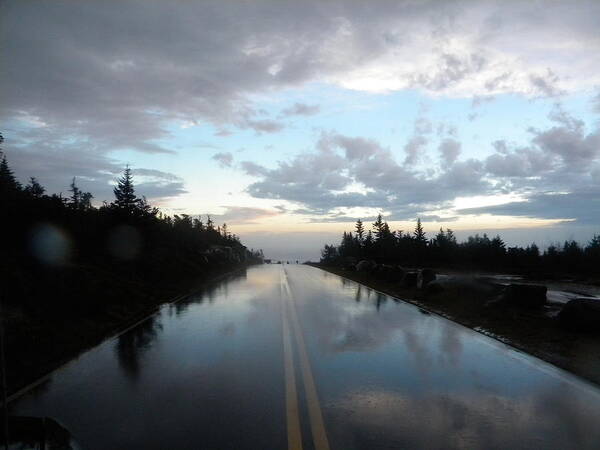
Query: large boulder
[[410, 279], [463, 287], [348, 263], [581, 314], [399, 272], [387, 272], [525, 295], [365, 266], [425, 277]]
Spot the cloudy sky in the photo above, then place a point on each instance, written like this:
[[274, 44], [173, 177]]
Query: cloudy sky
[[290, 119]]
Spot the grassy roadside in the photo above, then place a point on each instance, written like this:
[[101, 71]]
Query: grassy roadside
[[529, 331], [36, 345]]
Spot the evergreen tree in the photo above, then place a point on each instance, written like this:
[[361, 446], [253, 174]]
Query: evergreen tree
[[85, 200], [368, 244], [79, 199], [419, 234], [378, 227], [329, 254], [75, 199], [360, 231], [34, 188], [440, 239], [8, 182], [592, 251], [450, 237], [125, 198], [198, 224]]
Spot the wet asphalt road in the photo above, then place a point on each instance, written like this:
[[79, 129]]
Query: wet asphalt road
[[293, 357]]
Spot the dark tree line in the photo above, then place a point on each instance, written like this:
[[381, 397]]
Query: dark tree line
[[415, 248], [64, 250]]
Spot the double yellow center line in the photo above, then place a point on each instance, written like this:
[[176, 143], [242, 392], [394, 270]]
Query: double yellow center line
[[290, 315]]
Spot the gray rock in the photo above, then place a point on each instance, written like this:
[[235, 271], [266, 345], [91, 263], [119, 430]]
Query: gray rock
[[365, 266], [525, 295], [463, 286], [435, 287], [388, 272], [425, 277], [410, 279], [581, 314]]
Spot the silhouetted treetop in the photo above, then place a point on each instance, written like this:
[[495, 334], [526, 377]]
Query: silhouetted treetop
[[419, 234], [34, 188], [125, 198], [8, 182], [478, 251]]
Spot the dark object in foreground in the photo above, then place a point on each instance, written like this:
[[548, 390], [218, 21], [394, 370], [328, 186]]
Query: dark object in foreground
[[426, 276], [525, 295], [36, 432], [581, 314], [410, 280]]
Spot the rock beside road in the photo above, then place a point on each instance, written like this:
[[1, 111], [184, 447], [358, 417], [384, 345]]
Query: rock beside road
[[410, 279], [426, 276], [525, 295], [365, 266], [581, 314], [388, 272], [463, 286]]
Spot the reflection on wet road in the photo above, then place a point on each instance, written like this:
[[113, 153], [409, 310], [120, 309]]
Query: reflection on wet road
[[293, 357]]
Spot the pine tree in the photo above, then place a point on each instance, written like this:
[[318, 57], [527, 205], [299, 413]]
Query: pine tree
[[34, 188], [125, 198], [85, 201], [75, 199], [360, 231], [378, 227], [450, 237], [368, 244], [419, 234], [8, 182], [79, 199], [198, 225]]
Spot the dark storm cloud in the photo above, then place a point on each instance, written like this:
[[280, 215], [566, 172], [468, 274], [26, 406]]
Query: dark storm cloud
[[568, 140], [345, 172], [582, 206], [85, 79], [54, 162], [561, 157], [116, 73], [320, 180]]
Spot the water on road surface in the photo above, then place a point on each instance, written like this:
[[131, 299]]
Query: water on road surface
[[287, 356]]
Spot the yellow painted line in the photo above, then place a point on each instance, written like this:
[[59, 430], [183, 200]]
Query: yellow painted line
[[317, 425], [294, 435]]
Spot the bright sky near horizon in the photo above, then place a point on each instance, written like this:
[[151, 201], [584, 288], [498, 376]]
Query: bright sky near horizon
[[290, 119]]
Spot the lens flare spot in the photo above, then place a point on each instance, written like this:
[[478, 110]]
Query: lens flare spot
[[50, 245]]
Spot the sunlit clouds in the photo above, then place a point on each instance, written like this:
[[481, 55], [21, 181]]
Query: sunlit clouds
[[302, 117]]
